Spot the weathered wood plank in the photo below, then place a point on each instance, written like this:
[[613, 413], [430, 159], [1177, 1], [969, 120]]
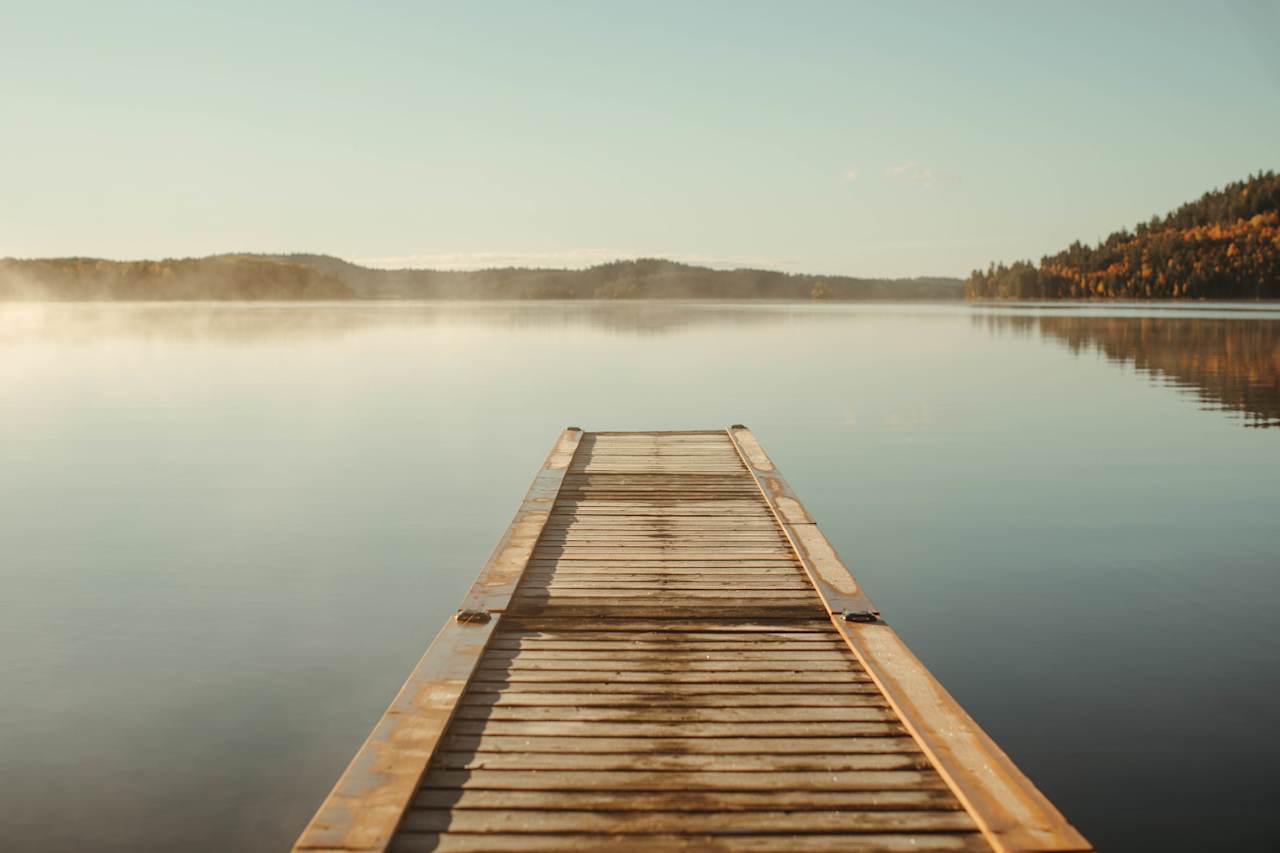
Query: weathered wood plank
[[707, 686], [632, 780], [680, 745], [460, 842], [752, 699], [698, 591], [666, 678], [606, 538], [527, 820], [670, 552], [662, 564], [677, 645], [671, 654], [758, 518], [689, 663], [750, 507], [766, 569], [667, 714], [690, 509], [606, 593], [719, 801], [670, 608], [558, 728], [761, 763], [658, 633], [664, 628], [578, 530], [696, 582], [568, 527]]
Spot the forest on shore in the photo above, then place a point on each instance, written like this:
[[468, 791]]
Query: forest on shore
[[1225, 245], [322, 277], [222, 278]]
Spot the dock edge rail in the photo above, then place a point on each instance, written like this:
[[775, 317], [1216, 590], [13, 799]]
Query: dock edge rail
[[364, 808], [1012, 813]]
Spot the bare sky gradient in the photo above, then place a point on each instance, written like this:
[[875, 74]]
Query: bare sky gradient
[[867, 139]]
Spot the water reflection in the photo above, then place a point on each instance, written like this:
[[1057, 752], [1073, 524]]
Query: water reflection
[[1228, 364]]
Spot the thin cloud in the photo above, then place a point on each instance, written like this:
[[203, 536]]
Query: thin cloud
[[924, 244], [922, 176]]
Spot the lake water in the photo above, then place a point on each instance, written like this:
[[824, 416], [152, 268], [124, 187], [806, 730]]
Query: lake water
[[227, 533]]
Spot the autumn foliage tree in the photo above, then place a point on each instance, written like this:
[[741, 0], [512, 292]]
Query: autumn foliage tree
[[1226, 245]]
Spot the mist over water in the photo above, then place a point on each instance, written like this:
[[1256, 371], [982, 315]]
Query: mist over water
[[229, 531]]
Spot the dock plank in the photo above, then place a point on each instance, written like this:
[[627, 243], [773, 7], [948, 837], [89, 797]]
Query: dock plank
[[460, 842]]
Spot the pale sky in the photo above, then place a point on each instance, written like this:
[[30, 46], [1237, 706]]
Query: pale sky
[[870, 139]]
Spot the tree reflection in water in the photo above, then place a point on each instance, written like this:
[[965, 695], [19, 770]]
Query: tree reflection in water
[[1229, 364]]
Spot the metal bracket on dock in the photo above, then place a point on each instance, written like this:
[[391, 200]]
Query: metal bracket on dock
[[860, 615], [476, 617]]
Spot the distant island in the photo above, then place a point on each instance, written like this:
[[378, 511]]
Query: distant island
[[1226, 245], [321, 277]]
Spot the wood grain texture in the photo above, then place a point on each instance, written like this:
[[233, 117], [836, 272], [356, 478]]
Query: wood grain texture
[[460, 842]]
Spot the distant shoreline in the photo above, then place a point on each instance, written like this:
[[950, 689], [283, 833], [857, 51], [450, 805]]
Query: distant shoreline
[[321, 277], [410, 300]]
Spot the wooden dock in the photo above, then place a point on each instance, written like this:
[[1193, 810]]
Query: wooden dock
[[665, 653]]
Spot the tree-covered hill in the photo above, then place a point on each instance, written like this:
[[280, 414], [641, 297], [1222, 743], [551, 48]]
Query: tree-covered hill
[[648, 278], [92, 279], [299, 276], [1226, 245]]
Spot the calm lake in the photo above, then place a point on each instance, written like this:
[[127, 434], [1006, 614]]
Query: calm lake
[[228, 532]]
